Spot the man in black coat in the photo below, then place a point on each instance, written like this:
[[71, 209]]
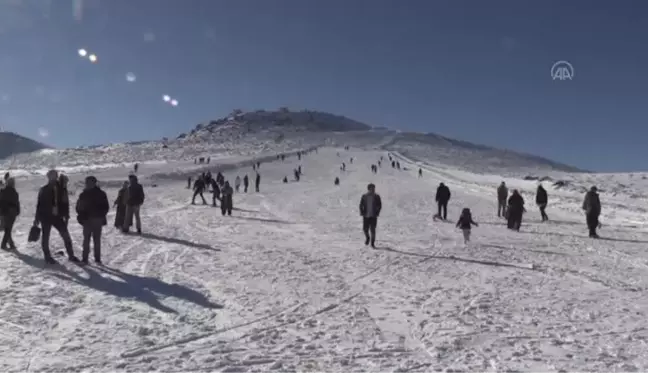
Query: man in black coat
[[257, 182], [502, 196], [216, 192], [592, 207], [92, 208], [541, 200], [515, 210], [442, 199], [199, 188], [134, 203], [226, 201], [370, 206], [53, 211], [246, 183], [9, 211]]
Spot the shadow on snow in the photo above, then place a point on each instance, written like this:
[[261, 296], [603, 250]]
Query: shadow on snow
[[126, 285], [178, 241], [454, 258]]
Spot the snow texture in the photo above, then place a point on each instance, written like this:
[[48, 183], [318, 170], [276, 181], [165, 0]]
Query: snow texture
[[287, 284]]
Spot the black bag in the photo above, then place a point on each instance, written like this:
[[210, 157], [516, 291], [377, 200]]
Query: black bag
[[34, 234]]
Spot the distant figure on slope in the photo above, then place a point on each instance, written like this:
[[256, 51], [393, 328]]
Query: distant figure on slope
[[398, 165], [134, 204], [136, 167], [257, 182], [92, 208], [343, 167], [465, 223], [336, 181], [220, 179], [541, 200], [199, 188], [237, 183], [370, 206], [502, 196], [285, 180], [420, 172], [296, 172], [53, 211], [216, 193], [442, 198], [189, 182], [9, 211], [393, 164], [592, 207], [299, 170], [120, 203], [226, 201], [351, 160], [515, 211], [246, 183]]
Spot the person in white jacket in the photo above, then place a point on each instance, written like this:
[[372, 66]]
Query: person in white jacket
[[237, 183]]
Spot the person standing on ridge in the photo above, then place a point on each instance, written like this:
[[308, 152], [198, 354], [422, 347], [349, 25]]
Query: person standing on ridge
[[420, 172], [370, 206], [442, 198], [92, 208], [592, 207], [246, 183], [9, 211], [134, 204], [52, 211], [502, 197], [257, 181], [541, 200]]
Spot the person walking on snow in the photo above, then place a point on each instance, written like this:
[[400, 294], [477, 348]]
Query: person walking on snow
[[442, 198], [53, 211], [370, 206], [92, 208], [420, 172], [237, 183], [226, 201], [465, 223], [515, 210], [199, 189], [9, 211], [541, 200], [134, 204], [216, 193], [257, 181], [592, 208], [246, 183], [502, 197]]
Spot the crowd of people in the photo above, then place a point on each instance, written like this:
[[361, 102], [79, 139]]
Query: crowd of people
[[92, 207]]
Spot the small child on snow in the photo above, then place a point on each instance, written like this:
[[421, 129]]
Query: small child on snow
[[465, 223]]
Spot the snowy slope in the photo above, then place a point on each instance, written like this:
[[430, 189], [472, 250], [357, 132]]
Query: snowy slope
[[261, 132], [286, 284]]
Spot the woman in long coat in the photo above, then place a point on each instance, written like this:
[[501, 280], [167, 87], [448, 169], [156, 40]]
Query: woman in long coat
[[120, 202]]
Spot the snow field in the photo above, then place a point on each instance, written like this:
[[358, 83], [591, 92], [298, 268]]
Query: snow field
[[286, 284]]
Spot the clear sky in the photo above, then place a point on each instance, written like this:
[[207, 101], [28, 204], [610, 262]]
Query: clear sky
[[471, 69]]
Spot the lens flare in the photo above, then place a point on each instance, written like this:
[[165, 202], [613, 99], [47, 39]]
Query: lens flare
[[82, 52], [166, 98], [92, 58], [174, 102], [130, 77]]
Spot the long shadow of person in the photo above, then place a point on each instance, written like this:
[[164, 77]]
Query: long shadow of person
[[178, 241], [158, 286]]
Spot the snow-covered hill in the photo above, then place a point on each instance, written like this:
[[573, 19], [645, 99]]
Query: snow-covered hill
[[286, 283], [12, 143], [261, 133]]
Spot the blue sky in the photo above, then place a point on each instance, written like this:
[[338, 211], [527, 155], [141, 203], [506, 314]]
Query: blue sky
[[474, 70]]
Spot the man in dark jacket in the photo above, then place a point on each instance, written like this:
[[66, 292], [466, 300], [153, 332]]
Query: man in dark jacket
[[515, 210], [92, 208], [199, 188], [135, 201], [226, 201], [53, 211], [257, 182], [370, 206], [216, 192], [502, 196], [246, 183], [592, 207], [541, 200], [9, 211], [442, 198]]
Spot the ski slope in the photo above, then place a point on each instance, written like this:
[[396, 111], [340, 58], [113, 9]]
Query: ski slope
[[286, 284]]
